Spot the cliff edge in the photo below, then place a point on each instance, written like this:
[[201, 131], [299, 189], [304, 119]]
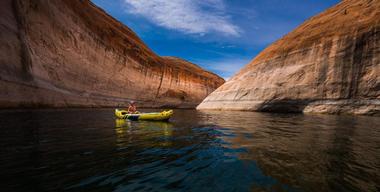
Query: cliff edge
[[72, 54]]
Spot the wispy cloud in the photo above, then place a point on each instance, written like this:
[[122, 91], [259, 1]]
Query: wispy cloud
[[188, 16], [226, 68]]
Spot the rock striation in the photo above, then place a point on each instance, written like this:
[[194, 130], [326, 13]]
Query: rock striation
[[329, 64], [72, 54]]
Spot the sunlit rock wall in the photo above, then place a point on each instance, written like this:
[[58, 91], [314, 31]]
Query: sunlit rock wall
[[72, 54], [329, 64]]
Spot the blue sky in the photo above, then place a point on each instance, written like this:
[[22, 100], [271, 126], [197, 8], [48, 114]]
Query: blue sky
[[219, 35]]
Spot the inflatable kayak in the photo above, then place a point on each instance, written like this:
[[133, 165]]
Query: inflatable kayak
[[156, 116]]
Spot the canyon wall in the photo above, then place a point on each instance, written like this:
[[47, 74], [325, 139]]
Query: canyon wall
[[329, 64], [72, 54]]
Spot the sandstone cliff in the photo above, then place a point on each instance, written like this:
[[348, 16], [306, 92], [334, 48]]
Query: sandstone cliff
[[71, 53], [329, 64]]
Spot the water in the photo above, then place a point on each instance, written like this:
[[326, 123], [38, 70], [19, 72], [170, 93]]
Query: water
[[88, 150]]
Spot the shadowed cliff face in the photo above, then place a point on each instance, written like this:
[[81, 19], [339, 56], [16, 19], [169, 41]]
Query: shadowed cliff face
[[71, 53], [329, 64]]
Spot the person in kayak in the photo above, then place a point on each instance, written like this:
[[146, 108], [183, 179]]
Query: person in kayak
[[132, 108]]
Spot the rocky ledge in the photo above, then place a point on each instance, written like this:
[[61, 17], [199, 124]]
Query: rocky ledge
[[329, 64], [72, 54]]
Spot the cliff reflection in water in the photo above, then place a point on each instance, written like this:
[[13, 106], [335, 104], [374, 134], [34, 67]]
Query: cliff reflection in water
[[88, 150], [309, 152]]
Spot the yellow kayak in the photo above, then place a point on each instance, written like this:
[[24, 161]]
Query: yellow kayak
[[155, 116]]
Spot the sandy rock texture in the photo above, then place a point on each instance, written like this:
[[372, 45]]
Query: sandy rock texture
[[329, 64], [72, 54]]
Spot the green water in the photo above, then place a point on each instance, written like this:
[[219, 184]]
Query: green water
[[89, 150]]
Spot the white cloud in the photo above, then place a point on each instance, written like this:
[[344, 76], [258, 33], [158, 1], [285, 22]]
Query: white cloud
[[189, 16]]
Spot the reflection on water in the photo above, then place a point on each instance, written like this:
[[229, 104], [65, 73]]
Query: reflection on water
[[89, 150]]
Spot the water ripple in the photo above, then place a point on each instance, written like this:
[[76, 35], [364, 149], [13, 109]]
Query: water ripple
[[88, 150]]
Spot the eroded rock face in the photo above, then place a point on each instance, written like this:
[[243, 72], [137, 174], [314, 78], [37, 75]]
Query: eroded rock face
[[71, 53], [329, 64]]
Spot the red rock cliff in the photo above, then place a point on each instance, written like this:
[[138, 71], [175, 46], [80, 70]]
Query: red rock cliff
[[71, 53], [329, 64]]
